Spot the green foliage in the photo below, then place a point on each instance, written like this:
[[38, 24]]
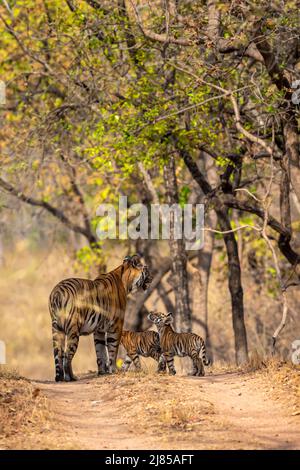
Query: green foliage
[[90, 256], [89, 86], [184, 193]]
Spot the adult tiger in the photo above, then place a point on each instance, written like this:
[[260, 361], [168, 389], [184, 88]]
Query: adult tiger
[[82, 306]]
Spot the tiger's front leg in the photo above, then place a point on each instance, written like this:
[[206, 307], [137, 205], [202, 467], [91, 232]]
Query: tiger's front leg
[[101, 352], [132, 357], [162, 367], [160, 360], [126, 364], [169, 359], [113, 341]]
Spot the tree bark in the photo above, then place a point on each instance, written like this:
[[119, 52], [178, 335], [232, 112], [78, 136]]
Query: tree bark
[[201, 274], [235, 288], [1, 250], [289, 118], [177, 249], [234, 270]]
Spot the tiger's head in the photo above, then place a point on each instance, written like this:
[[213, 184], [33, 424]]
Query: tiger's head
[[161, 319], [136, 275]]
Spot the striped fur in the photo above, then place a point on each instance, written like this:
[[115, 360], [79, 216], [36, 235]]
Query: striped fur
[[146, 344], [179, 344], [82, 306]]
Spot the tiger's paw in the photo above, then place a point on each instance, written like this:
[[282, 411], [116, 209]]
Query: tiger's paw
[[199, 374], [59, 378], [70, 378]]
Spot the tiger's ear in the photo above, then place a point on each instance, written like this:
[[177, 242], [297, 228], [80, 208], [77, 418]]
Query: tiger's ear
[[151, 317], [169, 319], [136, 260], [127, 259]]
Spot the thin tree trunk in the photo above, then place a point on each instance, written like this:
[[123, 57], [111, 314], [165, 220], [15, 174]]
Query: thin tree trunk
[[165, 298], [1, 250], [234, 270], [235, 288], [206, 254], [178, 254], [204, 265], [291, 143]]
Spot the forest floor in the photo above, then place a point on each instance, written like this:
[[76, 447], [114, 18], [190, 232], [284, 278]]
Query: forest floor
[[223, 410]]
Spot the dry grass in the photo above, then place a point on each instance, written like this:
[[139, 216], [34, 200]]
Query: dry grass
[[283, 380], [279, 378], [27, 420], [176, 414], [24, 412]]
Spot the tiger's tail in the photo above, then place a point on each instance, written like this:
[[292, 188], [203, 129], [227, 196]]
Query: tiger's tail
[[203, 356]]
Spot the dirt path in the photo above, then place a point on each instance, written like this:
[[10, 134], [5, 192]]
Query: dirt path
[[145, 411]]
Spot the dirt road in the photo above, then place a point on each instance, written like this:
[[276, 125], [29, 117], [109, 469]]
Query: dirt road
[[146, 411]]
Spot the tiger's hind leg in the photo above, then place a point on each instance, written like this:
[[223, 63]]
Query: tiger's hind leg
[[136, 361], [113, 341], [169, 360], [101, 352], [198, 367], [72, 341], [58, 350]]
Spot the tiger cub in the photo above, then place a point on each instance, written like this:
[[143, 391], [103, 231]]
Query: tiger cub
[[179, 344], [146, 344]]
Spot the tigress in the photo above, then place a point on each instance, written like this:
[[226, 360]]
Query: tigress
[[144, 343], [82, 306], [179, 344]]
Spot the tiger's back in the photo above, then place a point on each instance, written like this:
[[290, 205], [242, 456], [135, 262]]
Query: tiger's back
[[86, 305], [145, 343]]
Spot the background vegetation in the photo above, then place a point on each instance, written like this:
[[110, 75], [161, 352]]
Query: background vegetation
[[162, 101]]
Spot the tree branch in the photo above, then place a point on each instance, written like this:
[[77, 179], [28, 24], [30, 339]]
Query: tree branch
[[48, 207], [164, 38]]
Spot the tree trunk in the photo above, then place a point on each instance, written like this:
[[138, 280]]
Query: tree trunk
[[234, 270], [235, 288], [291, 143], [178, 254], [165, 298], [1, 250], [204, 265], [206, 254]]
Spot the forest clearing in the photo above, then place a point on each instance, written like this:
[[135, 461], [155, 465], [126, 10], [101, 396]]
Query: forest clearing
[[256, 407]]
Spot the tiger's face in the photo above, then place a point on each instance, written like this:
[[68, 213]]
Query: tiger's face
[[136, 274], [161, 319]]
